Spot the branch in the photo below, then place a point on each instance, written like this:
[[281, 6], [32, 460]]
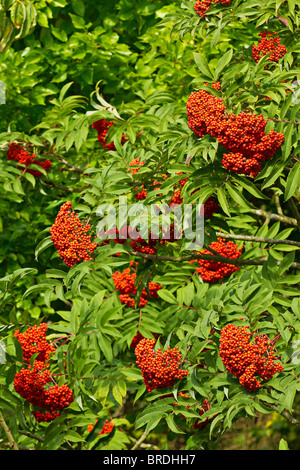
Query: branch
[[140, 440], [271, 241], [9, 436], [64, 188], [271, 216], [69, 165], [221, 259], [295, 211]]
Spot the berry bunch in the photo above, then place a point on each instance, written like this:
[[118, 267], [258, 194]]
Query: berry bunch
[[70, 237], [17, 153], [213, 271], [102, 126], [269, 43], [246, 359], [32, 383], [159, 369], [107, 428], [202, 6], [125, 283], [209, 207], [243, 135], [137, 338], [33, 341]]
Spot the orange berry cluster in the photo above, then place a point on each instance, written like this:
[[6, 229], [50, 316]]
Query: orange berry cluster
[[202, 6], [243, 134], [107, 428], [17, 153], [102, 126], [140, 194], [137, 338], [33, 341], [246, 359], [213, 271], [159, 369], [125, 283], [269, 43], [30, 382], [70, 237], [210, 206]]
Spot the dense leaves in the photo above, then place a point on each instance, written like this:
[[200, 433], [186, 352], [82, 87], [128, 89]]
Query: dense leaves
[[148, 103]]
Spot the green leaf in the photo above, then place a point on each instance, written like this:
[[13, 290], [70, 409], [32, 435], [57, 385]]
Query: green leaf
[[223, 201], [283, 445], [293, 182], [42, 246], [167, 296], [202, 65], [223, 61]]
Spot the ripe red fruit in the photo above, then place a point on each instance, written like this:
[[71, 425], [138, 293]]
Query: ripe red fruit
[[16, 152], [213, 271], [269, 43], [159, 369], [70, 236], [125, 283], [243, 135], [102, 126], [247, 360], [32, 382]]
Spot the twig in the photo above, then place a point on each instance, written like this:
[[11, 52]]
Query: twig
[[271, 216], [294, 210], [64, 188], [222, 259], [11, 441], [272, 241], [140, 440]]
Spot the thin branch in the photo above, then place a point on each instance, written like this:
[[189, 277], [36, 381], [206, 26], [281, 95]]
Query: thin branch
[[294, 210], [69, 165], [271, 216], [222, 259], [64, 188], [140, 440], [271, 241], [11, 441]]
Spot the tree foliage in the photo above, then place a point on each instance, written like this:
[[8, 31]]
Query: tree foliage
[[70, 67]]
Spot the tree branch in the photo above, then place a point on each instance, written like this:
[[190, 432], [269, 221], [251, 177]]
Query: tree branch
[[271, 241], [64, 188], [9, 436], [294, 210], [271, 216], [221, 259]]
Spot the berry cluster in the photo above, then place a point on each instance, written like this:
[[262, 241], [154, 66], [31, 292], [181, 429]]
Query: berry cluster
[[210, 206], [243, 135], [213, 271], [246, 359], [33, 341], [202, 6], [70, 237], [137, 338], [102, 126], [269, 43], [32, 383], [17, 153], [107, 428], [159, 369], [125, 283]]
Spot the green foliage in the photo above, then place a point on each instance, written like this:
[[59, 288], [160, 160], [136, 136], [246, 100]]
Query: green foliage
[[70, 64]]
